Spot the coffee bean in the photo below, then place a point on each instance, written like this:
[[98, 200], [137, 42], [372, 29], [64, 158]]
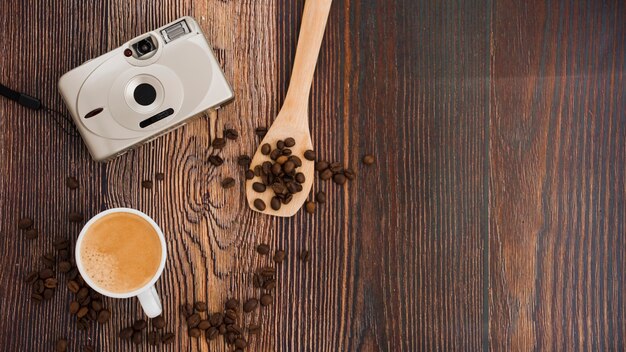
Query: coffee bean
[[216, 319], [38, 286], [267, 271], [154, 338], [289, 167], [200, 306], [261, 131], [204, 324], [71, 182], [326, 175], [82, 324], [216, 160], [349, 173], [275, 203], [305, 255], [126, 333], [219, 143], [147, 184], [280, 144], [60, 345], [254, 328], [25, 223], [231, 133], [47, 261], [212, 333], [193, 320], [48, 293], [194, 332], [103, 316], [310, 207], [84, 301], [266, 300], [232, 303], [64, 254], [75, 217], [72, 274], [235, 328], [258, 187], [279, 256], [61, 243], [139, 325], [263, 249], [295, 160], [187, 310], [159, 176], [339, 179], [96, 305], [287, 151], [231, 314], [368, 159], [257, 280], [50, 283], [309, 155], [320, 197], [230, 337], [36, 297], [158, 322], [82, 293], [336, 167], [241, 343], [244, 160], [300, 178], [249, 174], [73, 286], [290, 142], [32, 276], [266, 149], [64, 266], [276, 169], [259, 204], [46, 273], [92, 315], [287, 199], [31, 234], [321, 165], [222, 329], [95, 295], [275, 154], [137, 338], [250, 305], [82, 312], [228, 182], [168, 338], [269, 284]]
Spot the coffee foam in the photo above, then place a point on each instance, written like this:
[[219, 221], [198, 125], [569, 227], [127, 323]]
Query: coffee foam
[[105, 277]]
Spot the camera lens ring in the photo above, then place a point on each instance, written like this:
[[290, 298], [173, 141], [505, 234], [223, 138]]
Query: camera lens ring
[[144, 47]]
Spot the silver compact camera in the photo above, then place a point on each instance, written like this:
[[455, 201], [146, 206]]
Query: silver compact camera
[[145, 88]]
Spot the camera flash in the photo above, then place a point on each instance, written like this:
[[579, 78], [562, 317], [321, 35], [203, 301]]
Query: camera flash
[[128, 53]]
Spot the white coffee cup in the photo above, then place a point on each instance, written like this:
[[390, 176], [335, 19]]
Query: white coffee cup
[[147, 295]]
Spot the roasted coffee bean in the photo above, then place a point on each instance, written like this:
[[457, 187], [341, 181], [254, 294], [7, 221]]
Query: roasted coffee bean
[[326, 175], [250, 305], [266, 167], [263, 249], [258, 187], [257, 281], [212, 333], [258, 170], [300, 178], [25, 223], [216, 160], [38, 286], [31, 234], [92, 315], [310, 207], [295, 160], [82, 312], [95, 295], [228, 182], [139, 325], [267, 271], [96, 305], [234, 328], [32, 276], [287, 151], [275, 154], [280, 144], [309, 155], [103, 316], [84, 301], [287, 199], [82, 324], [282, 159], [275, 203], [349, 173], [279, 188], [261, 131], [64, 254], [232, 303], [231, 314], [47, 261], [36, 297], [266, 300], [279, 256], [48, 293], [249, 174], [292, 187], [187, 310], [147, 184], [368, 159], [269, 284], [158, 322], [75, 217], [73, 286], [339, 179], [193, 320], [229, 320], [194, 332], [320, 197], [46, 273], [204, 324], [259, 204], [159, 176], [154, 338], [222, 329], [61, 243], [137, 337], [266, 149], [241, 343], [216, 319], [82, 293], [50, 283], [231, 133], [290, 142], [168, 338], [244, 160], [305, 255], [321, 165], [64, 266], [219, 143], [60, 345], [254, 328], [230, 337], [71, 182], [288, 167], [276, 169], [126, 333], [336, 167], [200, 306]]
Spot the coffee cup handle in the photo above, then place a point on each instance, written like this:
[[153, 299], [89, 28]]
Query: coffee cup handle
[[150, 302]]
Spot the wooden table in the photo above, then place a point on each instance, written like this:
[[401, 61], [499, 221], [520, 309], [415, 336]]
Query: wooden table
[[494, 217]]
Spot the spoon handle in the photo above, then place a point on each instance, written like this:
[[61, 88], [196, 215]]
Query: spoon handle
[[312, 30]]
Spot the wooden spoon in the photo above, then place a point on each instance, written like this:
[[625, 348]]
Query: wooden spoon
[[292, 120]]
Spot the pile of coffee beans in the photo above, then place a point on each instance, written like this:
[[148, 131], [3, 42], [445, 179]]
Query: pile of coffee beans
[[43, 284], [137, 331], [279, 176]]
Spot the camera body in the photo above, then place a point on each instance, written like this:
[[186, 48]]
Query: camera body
[[152, 84]]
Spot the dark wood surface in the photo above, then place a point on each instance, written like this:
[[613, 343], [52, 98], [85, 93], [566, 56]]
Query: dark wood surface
[[494, 217]]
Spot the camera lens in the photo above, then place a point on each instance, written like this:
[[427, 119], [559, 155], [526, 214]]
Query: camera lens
[[144, 46]]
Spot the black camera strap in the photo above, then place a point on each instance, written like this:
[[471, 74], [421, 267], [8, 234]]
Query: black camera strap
[[35, 104]]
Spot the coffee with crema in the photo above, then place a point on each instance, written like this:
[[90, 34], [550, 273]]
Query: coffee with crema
[[121, 252]]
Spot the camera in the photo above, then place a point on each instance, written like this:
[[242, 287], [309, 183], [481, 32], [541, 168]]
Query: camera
[[147, 87]]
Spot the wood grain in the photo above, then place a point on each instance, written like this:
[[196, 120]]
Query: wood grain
[[493, 218]]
